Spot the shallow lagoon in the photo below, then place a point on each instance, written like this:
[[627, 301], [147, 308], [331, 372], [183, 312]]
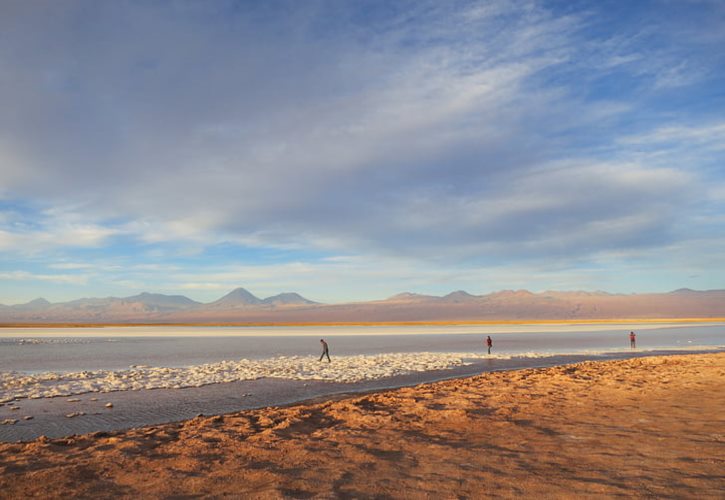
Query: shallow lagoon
[[114, 348], [216, 370]]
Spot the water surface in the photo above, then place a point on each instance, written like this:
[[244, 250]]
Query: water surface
[[28, 353], [76, 349]]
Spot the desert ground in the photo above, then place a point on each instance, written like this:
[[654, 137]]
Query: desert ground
[[645, 427]]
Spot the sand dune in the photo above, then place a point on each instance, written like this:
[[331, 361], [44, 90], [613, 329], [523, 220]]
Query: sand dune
[[646, 427]]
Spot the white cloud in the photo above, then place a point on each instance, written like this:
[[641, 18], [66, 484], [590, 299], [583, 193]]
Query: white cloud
[[68, 279], [434, 134], [710, 136], [71, 265], [54, 236], [262, 156]]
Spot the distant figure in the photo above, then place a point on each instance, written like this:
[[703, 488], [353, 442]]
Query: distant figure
[[489, 343], [632, 340], [325, 351]]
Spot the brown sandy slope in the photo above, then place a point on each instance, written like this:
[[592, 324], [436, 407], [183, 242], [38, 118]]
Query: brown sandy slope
[[649, 427]]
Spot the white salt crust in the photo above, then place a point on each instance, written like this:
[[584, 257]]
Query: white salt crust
[[15, 385], [346, 369]]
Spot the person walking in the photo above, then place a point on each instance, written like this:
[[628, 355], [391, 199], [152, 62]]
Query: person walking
[[632, 340], [489, 343], [325, 351]]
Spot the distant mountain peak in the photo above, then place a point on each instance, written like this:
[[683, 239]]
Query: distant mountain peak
[[240, 306], [34, 305], [238, 296], [161, 300], [514, 293], [408, 296], [459, 296], [287, 298], [148, 295]]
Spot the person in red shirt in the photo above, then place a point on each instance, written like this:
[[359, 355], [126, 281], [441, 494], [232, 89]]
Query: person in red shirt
[[632, 340], [489, 343]]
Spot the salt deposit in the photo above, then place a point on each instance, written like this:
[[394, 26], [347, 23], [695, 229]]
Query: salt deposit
[[346, 369], [39, 341], [14, 385]]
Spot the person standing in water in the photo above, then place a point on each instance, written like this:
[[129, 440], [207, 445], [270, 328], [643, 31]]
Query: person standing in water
[[632, 340], [489, 343], [325, 351]]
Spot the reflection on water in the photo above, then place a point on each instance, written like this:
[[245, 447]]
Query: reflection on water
[[145, 407], [28, 352], [65, 350]]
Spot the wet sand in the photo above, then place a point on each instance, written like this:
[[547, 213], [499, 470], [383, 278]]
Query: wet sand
[[651, 427]]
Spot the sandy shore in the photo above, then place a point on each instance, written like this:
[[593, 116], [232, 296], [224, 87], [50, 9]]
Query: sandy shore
[[649, 427]]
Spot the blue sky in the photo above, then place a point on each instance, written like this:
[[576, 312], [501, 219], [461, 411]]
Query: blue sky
[[354, 150]]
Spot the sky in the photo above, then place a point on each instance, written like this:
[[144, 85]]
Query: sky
[[352, 150]]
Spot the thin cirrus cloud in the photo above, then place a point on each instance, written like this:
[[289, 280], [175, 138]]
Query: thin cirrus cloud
[[463, 135]]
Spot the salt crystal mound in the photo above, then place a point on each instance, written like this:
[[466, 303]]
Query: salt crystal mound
[[347, 369]]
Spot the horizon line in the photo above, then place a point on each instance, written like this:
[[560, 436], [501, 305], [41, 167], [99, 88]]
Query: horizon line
[[598, 291]]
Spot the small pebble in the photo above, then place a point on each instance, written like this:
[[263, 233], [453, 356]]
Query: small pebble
[[14, 407], [28, 417], [94, 399], [73, 400], [8, 421], [109, 405], [75, 414]]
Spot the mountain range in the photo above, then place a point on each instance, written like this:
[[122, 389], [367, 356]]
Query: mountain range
[[241, 306]]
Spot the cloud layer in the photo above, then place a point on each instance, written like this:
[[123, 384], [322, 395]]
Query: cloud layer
[[443, 135]]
